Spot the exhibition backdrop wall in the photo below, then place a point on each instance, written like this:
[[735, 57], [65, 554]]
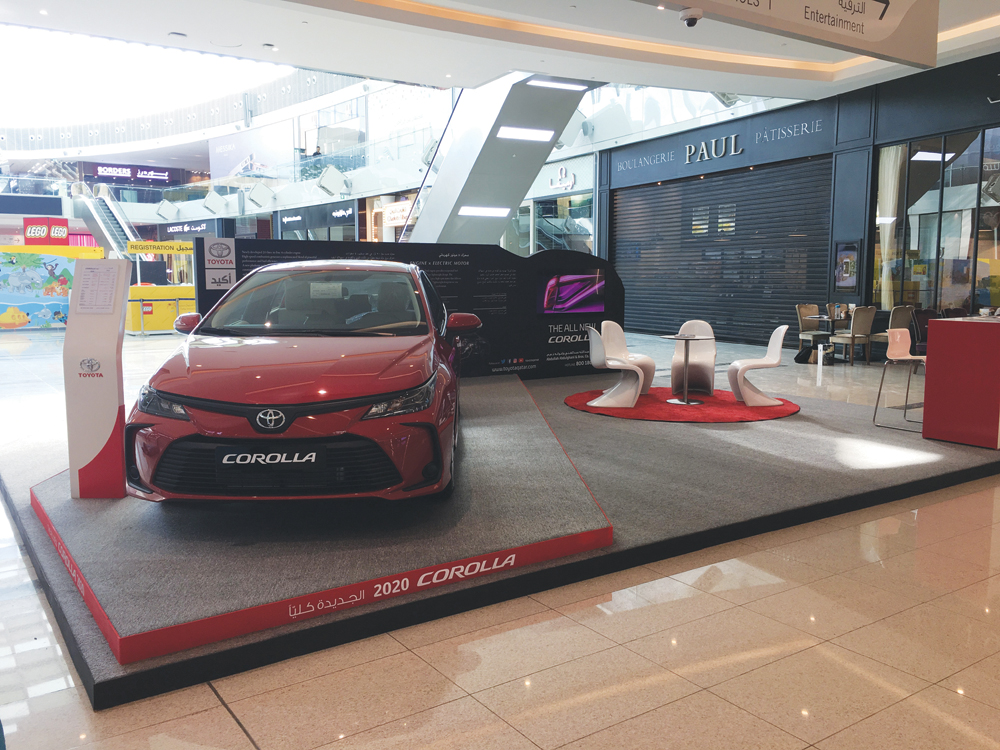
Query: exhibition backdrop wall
[[534, 310]]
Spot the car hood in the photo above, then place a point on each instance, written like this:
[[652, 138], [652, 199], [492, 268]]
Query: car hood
[[294, 369]]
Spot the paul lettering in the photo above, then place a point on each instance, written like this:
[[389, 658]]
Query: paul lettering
[[718, 149]]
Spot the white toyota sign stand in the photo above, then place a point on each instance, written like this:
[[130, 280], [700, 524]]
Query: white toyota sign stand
[[92, 369]]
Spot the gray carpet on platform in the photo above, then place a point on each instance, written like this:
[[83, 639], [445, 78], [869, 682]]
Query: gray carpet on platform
[[662, 480], [224, 557]]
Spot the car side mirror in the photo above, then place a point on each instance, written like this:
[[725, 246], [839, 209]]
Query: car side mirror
[[186, 323], [462, 322]]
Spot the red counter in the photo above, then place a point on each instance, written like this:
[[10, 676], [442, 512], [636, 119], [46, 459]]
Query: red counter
[[962, 387]]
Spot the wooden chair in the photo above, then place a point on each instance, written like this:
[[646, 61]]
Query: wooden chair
[[858, 333], [899, 317], [809, 329]]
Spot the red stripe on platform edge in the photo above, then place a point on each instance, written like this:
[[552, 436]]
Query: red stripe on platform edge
[[89, 598], [571, 463], [104, 476], [241, 622]]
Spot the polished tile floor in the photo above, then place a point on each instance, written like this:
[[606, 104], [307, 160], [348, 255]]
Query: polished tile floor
[[874, 629]]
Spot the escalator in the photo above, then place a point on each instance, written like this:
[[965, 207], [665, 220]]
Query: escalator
[[493, 147], [104, 218]]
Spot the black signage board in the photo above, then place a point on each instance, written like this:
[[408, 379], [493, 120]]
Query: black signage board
[[337, 214], [534, 310], [780, 135], [962, 96]]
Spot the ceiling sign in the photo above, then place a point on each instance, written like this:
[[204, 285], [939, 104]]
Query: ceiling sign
[[903, 31]]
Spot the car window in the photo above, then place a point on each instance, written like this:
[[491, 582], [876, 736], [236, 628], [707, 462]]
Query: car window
[[332, 303], [439, 313]]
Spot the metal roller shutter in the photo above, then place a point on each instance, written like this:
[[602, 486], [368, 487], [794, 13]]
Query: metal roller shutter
[[739, 250]]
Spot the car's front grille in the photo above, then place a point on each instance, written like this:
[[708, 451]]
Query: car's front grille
[[347, 465]]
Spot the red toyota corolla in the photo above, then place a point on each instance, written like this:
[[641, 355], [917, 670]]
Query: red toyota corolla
[[308, 380]]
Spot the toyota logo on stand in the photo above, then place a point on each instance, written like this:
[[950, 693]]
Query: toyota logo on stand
[[92, 365], [219, 250], [271, 419]]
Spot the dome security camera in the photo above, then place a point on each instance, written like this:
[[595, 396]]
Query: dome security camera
[[691, 16]]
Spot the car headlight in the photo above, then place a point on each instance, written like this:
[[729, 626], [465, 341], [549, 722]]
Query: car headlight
[[417, 399], [152, 402]]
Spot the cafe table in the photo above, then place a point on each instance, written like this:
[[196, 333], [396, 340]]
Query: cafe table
[[686, 339]]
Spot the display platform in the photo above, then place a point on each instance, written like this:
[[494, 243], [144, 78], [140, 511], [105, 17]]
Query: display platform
[[668, 488]]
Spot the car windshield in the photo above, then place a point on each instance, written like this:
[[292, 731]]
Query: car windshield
[[321, 303]]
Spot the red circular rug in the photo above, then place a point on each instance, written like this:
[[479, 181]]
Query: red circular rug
[[652, 407]]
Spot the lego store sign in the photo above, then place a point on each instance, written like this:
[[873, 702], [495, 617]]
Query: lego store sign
[[44, 230]]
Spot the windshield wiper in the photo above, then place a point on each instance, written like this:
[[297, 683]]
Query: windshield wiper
[[221, 331], [330, 332]]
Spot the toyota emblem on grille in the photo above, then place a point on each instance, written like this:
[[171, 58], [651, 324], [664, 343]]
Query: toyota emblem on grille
[[270, 419]]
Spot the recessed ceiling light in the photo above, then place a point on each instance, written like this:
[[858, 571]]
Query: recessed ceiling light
[[487, 211], [447, 75], [660, 7], [44, 12], [525, 134], [564, 85]]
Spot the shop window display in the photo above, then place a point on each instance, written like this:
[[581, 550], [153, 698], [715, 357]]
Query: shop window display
[[565, 223], [931, 195]]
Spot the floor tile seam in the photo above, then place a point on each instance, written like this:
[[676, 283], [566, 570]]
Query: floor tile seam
[[475, 697], [915, 693], [579, 658], [832, 528], [538, 671], [882, 558], [927, 684], [965, 695], [907, 596], [956, 558], [449, 679], [932, 603], [730, 605], [751, 713], [308, 679], [240, 724], [797, 585], [977, 661], [632, 718], [332, 743], [897, 667], [459, 635]]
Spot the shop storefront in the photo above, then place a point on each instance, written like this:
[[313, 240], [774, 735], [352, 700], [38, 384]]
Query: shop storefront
[[328, 221], [883, 196], [558, 211]]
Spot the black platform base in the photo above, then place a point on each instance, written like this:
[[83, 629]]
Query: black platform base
[[667, 488]]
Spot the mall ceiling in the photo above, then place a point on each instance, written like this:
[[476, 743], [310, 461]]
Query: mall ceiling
[[447, 43]]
